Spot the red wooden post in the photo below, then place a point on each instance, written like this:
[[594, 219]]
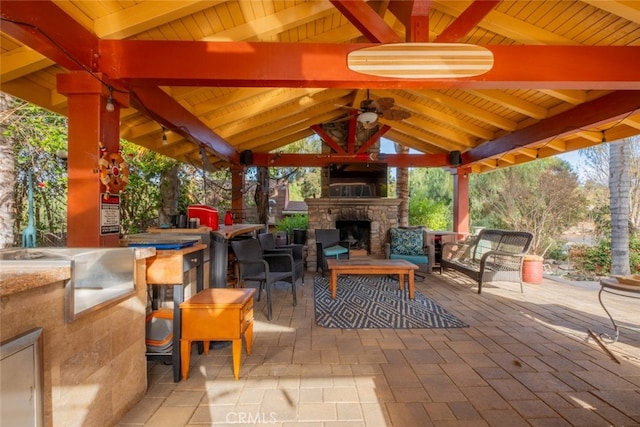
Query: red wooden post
[[90, 126], [461, 200]]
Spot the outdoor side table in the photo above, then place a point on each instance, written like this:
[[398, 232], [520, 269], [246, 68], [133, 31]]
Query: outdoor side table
[[612, 286], [170, 268], [217, 314]]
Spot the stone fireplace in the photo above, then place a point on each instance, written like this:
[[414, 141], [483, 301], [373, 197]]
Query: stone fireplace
[[353, 196], [380, 213]]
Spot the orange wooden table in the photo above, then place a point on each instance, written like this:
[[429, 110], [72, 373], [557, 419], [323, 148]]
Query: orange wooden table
[[371, 266], [217, 314]]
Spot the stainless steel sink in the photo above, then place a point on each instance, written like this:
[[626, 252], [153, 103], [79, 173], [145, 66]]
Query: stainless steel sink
[[99, 276]]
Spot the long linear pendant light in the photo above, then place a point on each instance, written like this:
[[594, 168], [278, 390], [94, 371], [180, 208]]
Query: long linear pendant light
[[421, 60]]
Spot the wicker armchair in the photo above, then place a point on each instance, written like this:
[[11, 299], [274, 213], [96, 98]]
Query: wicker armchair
[[328, 245], [266, 269], [410, 244], [268, 244]]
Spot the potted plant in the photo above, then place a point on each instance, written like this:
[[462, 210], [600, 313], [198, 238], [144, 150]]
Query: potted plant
[[295, 226]]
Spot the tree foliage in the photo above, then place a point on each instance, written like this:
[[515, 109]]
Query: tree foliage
[[39, 140], [304, 182], [542, 197], [39, 145], [431, 198]]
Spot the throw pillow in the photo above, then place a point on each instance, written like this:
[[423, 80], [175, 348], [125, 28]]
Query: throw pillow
[[406, 241]]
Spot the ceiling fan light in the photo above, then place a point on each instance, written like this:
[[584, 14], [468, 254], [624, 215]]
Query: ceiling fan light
[[368, 117]]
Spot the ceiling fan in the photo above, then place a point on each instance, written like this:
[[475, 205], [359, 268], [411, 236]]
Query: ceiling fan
[[371, 109]]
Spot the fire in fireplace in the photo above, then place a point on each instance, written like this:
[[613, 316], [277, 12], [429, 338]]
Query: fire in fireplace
[[356, 232]]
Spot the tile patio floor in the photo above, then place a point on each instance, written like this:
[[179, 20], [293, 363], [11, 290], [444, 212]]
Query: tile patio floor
[[525, 360]]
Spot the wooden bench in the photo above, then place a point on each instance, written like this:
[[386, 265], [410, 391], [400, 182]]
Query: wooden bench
[[492, 255]]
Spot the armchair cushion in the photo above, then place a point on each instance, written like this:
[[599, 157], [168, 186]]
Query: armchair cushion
[[335, 251], [407, 241], [328, 245], [415, 259]]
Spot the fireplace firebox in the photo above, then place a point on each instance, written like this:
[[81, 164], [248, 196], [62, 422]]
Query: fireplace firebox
[[356, 232]]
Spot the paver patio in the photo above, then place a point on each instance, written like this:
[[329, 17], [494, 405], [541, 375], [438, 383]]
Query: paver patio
[[525, 360]]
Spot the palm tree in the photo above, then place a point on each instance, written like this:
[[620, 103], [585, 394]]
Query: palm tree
[[619, 193], [402, 188], [7, 174]]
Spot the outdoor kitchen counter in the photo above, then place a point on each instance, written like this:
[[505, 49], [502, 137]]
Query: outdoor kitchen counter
[[13, 281], [101, 351]]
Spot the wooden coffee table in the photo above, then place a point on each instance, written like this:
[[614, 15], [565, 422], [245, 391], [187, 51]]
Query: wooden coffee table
[[371, 266]]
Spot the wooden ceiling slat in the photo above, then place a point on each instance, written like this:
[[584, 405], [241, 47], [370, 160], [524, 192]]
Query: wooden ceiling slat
[[234, 96], [508, 26], [468, 109], [625, 9], [512, 102], [633, 121], [455, 138], [22, 61], [433, 114], [276, 127], [265, 101], [145, 16], [574, 97], [289, 107], [274, 24]]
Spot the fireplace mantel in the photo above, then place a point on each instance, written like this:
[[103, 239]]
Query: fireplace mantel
[[382, 212], [328, 202]]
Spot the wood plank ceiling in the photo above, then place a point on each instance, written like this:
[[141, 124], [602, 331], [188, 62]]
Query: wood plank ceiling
[[229, 76]]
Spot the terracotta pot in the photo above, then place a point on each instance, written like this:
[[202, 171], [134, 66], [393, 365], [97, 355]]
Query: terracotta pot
[[532, 269]]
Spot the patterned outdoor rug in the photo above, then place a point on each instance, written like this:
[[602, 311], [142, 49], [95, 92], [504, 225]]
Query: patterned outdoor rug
[[376, 302]]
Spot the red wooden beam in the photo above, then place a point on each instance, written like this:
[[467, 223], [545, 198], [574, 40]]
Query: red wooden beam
[[324, 160], [418, 28], [327, 139], [588, 115], [467, 20], [144, 62], [165, 110], [364, 148], [366, 20], [353, 129], [46, 28]]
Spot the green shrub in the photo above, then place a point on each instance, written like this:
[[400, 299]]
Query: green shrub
[[597, 259], [293, 222], [558, 251]]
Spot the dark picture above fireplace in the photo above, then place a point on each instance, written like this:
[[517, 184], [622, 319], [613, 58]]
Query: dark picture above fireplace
[[358, 180]]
